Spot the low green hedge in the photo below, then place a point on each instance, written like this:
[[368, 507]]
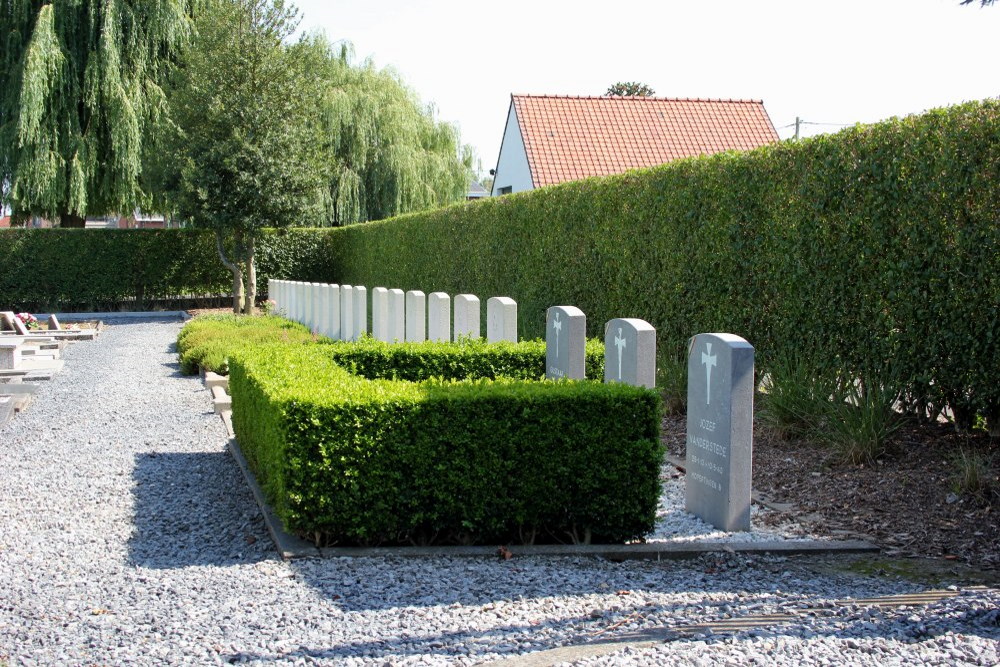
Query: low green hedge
[[209, 340], [344, 459], [465, 360]]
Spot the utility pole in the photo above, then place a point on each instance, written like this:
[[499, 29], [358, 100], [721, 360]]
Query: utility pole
[[798, 122]]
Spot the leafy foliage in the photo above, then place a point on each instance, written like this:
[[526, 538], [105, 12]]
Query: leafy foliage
[[467, 359], [64, 270], [79, 91], [878, 243], [630, 89], [208, 341], [388, 153], [344, 459]]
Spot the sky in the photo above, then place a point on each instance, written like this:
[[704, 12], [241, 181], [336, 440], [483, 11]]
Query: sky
[[837, 62]]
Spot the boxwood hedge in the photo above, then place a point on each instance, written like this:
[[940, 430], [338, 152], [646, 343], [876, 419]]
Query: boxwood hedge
[[349, 460]]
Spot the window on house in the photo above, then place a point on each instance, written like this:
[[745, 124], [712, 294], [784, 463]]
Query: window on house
[[505, 190]]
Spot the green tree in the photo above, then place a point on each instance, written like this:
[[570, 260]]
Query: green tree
[[389, 155], [79, 89], [630, 89], [242, 150]]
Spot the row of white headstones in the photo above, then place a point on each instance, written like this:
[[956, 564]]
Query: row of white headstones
[[720, 368]]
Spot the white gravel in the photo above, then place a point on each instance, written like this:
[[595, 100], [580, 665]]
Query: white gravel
[[127, 536]]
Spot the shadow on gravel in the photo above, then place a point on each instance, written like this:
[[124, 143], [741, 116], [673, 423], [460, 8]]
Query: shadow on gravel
[[194, 509]]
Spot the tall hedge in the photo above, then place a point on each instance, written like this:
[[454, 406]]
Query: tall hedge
[[877, 248]]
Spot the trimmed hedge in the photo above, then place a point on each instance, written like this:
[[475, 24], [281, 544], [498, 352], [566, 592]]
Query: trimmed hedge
[[208, 341], [465, 360], [344, 459], [876, 249], [66, 270]]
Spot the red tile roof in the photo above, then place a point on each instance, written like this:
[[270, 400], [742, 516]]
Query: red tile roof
[[569, 138]]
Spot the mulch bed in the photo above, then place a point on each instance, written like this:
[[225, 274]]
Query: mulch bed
[[905, 502]]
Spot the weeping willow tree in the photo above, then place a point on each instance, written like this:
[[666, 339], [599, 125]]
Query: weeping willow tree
[[387, 152], [79, 89], [241, 149]]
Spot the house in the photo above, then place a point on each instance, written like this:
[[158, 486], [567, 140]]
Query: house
[[552, 139], [476, 191]]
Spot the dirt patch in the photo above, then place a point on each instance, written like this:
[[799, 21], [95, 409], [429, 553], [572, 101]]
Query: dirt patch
[[906, 502]]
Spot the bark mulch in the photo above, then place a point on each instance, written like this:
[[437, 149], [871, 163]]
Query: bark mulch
[[906, 502]]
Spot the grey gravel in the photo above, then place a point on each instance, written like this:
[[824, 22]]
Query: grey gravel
[[127, 536]]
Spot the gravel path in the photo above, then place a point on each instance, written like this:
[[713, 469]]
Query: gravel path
[[127, 536]]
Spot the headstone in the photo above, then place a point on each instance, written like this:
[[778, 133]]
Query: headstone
[[380, 314], [272, 289], [54, 323], [439, 317], [416, 316], [360, 312], [346, 312], [10, 354], [466, 316], [565, 343], [323, 310], [630, 352], [720, 430], [397, 316], [317, 307], [7, 320], [296, 305], [501, 319], [330, 326]]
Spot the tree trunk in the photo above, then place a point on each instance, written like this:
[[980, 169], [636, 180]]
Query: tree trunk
[[234, 267], [251, 278], [69, 220]]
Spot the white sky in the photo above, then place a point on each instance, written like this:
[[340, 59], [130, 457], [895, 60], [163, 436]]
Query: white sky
[[829, 61]]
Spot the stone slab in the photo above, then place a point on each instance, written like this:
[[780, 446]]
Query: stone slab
[[397, 316], [565, 343], [501, 319], [720, 430], [439, 317], [630, 352], [213, 380], [467, 316], [221, 401], [380, 314], [416, 316], [360, 312]]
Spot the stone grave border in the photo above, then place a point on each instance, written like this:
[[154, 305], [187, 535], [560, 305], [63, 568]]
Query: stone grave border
[[291, 547]]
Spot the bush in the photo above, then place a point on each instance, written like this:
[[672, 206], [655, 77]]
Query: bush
[[468, 359], [345, 459], [209, 341]]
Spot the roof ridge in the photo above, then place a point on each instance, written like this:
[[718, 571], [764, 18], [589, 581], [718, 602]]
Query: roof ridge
[[640, 97]]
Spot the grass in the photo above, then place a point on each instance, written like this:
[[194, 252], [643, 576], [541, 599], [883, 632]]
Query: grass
[[973, 475]]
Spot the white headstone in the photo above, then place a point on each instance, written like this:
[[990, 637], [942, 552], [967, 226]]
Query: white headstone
[[10, 353], [272, 290], [317, 303], [466, 316], [298, 298], [438, 317], [397, 316], [630, 352], [565, 343], [416, 316], [720, 430], [380, 314], [346, 312], [360, 312], [330, 324], [501, 319]]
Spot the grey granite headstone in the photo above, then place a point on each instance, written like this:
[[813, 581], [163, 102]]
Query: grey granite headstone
[[501, 319], [466, 316], [416, 316], [565, 343], [397, 316], [380, 314], [720, 430], [360, 312], [346, 312], [630, 352], [439, 317]]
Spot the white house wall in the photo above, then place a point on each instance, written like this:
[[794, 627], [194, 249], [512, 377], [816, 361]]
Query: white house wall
[[512, 167]]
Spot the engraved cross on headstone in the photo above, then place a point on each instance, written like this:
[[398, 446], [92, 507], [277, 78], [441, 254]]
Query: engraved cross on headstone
[[620, 344], [710, 360], [557, 327]]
